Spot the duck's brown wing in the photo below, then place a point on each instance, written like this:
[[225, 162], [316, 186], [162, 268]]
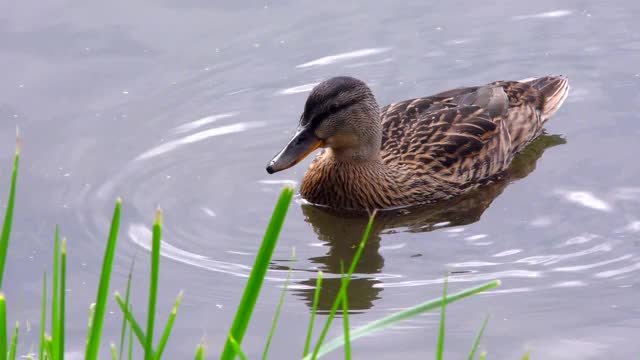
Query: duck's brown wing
[[399, 117], [462, 144], [463, 135]]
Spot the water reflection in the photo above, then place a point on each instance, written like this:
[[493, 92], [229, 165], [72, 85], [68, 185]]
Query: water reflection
[[342, 231]]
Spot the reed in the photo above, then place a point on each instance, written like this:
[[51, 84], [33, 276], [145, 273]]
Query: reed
[[93, 344], [260, 266]]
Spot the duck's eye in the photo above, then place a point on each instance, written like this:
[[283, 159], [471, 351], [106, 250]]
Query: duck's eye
[[333, 108]]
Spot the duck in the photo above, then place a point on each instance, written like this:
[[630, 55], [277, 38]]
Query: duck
[[418, 151]]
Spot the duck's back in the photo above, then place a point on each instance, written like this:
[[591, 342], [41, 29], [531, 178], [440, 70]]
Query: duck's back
[[464, 136]]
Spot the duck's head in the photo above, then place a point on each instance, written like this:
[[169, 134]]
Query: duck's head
[[340, 114]]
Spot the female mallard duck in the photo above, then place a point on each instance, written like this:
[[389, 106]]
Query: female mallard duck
[[415, 151]]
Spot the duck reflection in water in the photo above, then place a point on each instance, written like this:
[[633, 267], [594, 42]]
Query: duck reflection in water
[[342, 232]]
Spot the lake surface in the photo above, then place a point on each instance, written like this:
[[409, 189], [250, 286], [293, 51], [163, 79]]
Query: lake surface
[[182, 104]]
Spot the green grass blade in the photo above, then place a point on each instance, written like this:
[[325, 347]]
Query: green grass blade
[[167, 328], [130, 354], [92, 312], [314, 309], [3, 326], [237, 349], [93, 343], [153, 284], [8, 215], [252, 289], [476, 343], [114, 352], [43, 315], [135, 326], [14, 343], [48, 347], [525, 356], [344, 285], [63, 287], [413, 311], [279, 308], [55, 295], [483, 355], [443, 308], [345, 319], [127, 295], [201, 352]]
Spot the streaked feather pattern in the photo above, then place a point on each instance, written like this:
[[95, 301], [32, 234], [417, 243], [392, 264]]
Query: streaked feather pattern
[[441, 146]]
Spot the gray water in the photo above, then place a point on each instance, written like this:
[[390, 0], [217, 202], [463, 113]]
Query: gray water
[[182, 103]]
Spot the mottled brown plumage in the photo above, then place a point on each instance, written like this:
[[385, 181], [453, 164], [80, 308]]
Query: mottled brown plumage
[[415, 151]]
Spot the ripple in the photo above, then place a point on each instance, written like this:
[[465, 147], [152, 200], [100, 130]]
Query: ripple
[[569, 284], [581, 239], [332, 59], [508, 252], [544, 15], [278, 182], [585, 199], [594, 265], [174, 144], [393, 247], [515, 273], [632, 227], [555, 258], [140, 234], [616, 272], [508, 291], [297, 89], [208, 211], [476, 237], [474, 264], [202, 122]]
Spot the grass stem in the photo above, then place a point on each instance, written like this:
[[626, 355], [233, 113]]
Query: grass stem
[[476, 343], [55, 293], [3, 326], [440, 348], [133, 323], [167, 328], [201, 352], [43, 316], [127, 298], [260, 266], [8, 215], [314, 309], [344, 285], [153, 284], [63, 296], [237, 349], [345, 319], [408, 313], [279, 308], [93, 343], [14, 343]]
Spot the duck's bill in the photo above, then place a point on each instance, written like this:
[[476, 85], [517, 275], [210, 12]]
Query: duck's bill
[[302, 144]]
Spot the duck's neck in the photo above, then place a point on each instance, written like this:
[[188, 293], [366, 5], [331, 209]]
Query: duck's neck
[[362, 145], [363, 155]]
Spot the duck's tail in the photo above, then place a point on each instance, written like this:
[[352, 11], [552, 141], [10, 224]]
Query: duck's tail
[[555, 89]]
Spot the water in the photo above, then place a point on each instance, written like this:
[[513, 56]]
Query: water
[[182, 103]]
